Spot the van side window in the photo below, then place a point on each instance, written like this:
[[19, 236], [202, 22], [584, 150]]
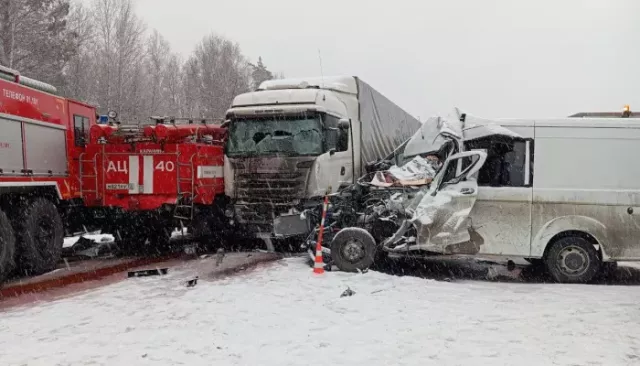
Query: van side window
[[506, 162], [80, 130]]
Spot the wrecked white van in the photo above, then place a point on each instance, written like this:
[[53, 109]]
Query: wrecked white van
[[564, 192]]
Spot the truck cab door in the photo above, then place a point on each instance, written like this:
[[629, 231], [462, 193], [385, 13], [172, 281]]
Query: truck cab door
[[441, 217], [335, 168]]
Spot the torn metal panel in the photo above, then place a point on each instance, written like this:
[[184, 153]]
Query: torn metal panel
[[417, 172], [477, 131], [437, 131], [440, 214], [434, 133]]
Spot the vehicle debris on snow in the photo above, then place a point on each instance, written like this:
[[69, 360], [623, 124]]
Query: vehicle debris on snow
[[148, 272], [348, 292], [192, 282]]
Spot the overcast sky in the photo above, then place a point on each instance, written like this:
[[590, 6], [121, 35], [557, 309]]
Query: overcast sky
[[491, 58]]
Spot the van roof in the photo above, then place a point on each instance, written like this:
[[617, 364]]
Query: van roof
[[559, 122]]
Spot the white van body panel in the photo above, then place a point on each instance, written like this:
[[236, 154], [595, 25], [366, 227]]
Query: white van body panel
[[587, 178], [584, 178]]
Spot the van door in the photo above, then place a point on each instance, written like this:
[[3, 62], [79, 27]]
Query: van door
[[442, 217], [502, 212]]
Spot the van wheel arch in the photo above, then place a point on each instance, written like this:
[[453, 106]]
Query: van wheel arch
[[575, 233]]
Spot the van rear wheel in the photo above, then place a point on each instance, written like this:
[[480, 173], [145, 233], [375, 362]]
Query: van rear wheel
[[572, 259]]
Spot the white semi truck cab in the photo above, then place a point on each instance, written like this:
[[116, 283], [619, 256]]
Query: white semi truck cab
[[292, 140]]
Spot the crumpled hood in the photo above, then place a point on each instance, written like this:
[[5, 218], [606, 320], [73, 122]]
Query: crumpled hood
[[437, 131]]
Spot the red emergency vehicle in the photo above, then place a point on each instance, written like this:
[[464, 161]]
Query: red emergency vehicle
[[154, 177], [59, 170], [41, 138]]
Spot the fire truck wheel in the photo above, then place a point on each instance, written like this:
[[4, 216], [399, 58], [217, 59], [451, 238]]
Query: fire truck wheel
[[40, 236], [7, 246]]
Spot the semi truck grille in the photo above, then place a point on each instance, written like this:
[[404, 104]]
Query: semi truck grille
[[274, 189]]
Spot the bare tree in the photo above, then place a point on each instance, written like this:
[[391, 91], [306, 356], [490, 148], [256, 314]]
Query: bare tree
[[173, 87], [99, 51], [156, 63], [218, 71], [79, 72]]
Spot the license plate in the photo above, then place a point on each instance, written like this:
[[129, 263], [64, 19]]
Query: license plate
[[117, 186]]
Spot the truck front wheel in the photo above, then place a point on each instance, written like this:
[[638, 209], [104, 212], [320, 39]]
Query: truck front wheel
[[40, 236], [572, 259], [7, 246], [353, 249]]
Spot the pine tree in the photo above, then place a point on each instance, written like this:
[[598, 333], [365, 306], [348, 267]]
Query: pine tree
[[260, 73]]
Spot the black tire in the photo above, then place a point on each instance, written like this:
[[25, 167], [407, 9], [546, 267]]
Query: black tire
[[572, 259], [7, 247], [39, 236], [353, 249]]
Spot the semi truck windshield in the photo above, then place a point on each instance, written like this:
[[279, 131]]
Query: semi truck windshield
[[299, 135]]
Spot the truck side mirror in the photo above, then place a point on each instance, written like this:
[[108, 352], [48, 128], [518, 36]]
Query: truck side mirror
[[344, 124]]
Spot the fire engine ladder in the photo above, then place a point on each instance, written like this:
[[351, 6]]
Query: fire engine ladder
[[184, 208], [82, 174]]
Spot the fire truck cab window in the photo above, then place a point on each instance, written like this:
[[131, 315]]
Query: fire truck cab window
[[81, 130]]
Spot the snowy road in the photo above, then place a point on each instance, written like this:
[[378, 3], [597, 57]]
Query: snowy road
[[282, 315]]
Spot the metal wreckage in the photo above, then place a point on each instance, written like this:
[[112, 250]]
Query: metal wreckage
[[416, 201]]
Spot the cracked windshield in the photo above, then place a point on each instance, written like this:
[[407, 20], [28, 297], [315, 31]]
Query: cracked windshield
[[286, 135], [287, 182]]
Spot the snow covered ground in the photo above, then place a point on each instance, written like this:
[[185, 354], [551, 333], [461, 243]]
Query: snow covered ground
[[284, 315]]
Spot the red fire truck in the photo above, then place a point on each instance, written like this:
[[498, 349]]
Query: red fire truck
[[152, 178], [60, 170]]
